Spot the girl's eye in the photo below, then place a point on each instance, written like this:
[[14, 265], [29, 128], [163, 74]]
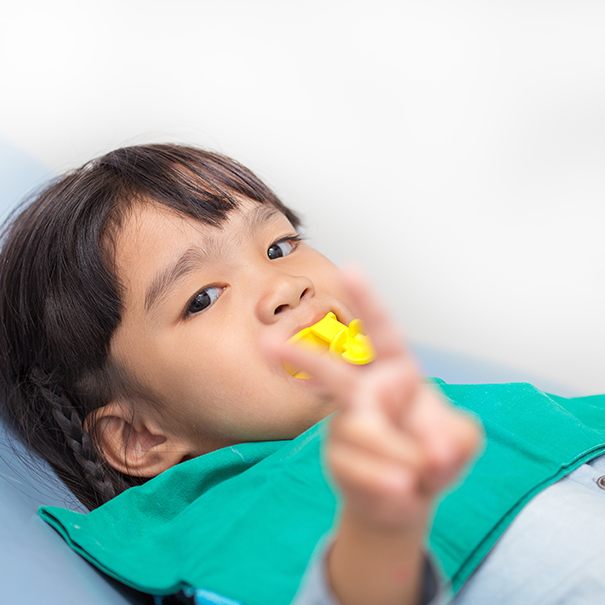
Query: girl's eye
[[201, 300], [288, 240]]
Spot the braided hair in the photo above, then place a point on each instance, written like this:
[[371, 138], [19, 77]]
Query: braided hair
[[68, 419], [61, 299]]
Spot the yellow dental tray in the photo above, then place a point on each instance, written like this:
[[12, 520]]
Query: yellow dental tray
[[347, 342]]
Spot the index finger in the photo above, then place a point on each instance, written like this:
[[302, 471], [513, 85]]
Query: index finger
[[377, 324]]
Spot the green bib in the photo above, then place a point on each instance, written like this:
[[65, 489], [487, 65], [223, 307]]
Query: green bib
[[244, 521]]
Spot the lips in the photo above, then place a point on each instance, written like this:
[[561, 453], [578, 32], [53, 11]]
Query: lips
[[315, 318]]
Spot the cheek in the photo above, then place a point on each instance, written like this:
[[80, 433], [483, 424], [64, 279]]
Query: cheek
[[328, 281], [222, 364]]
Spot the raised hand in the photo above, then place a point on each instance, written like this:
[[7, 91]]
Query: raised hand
[[395, 441]]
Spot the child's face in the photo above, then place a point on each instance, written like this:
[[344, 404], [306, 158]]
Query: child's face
[[208, 368]]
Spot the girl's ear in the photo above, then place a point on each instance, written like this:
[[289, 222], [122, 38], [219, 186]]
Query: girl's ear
[[137, 447]]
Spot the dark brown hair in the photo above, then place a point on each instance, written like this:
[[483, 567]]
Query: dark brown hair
[[60, 297]]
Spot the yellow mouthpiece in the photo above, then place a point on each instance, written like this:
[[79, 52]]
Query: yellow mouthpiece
[[347, 342]]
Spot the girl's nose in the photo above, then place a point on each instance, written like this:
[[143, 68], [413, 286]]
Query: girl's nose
[[281, 293]]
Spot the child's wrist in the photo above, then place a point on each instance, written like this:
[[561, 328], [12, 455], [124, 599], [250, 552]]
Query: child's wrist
[[379, 535], [367, 564], [411, 530]]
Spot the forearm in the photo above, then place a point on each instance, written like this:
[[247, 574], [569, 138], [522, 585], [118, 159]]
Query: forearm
[[378, 567]]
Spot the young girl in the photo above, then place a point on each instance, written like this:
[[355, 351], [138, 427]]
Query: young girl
[[146, 301]]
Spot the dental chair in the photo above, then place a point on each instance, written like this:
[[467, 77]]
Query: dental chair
[[36, 565]]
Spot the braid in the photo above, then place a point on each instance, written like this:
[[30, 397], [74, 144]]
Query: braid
[[78, 440]]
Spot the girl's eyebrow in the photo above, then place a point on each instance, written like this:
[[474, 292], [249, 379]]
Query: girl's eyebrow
[[193, 257]]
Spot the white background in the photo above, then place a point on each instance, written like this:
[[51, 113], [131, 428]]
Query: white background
[[454, 150]]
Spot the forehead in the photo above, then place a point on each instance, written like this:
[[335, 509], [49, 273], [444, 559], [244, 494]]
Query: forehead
[[157, 227], [152, 225]]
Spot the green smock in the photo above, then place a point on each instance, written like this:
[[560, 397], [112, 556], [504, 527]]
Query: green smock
[[244, 521]]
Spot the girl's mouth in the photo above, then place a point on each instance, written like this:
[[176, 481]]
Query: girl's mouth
[[329, 334]]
